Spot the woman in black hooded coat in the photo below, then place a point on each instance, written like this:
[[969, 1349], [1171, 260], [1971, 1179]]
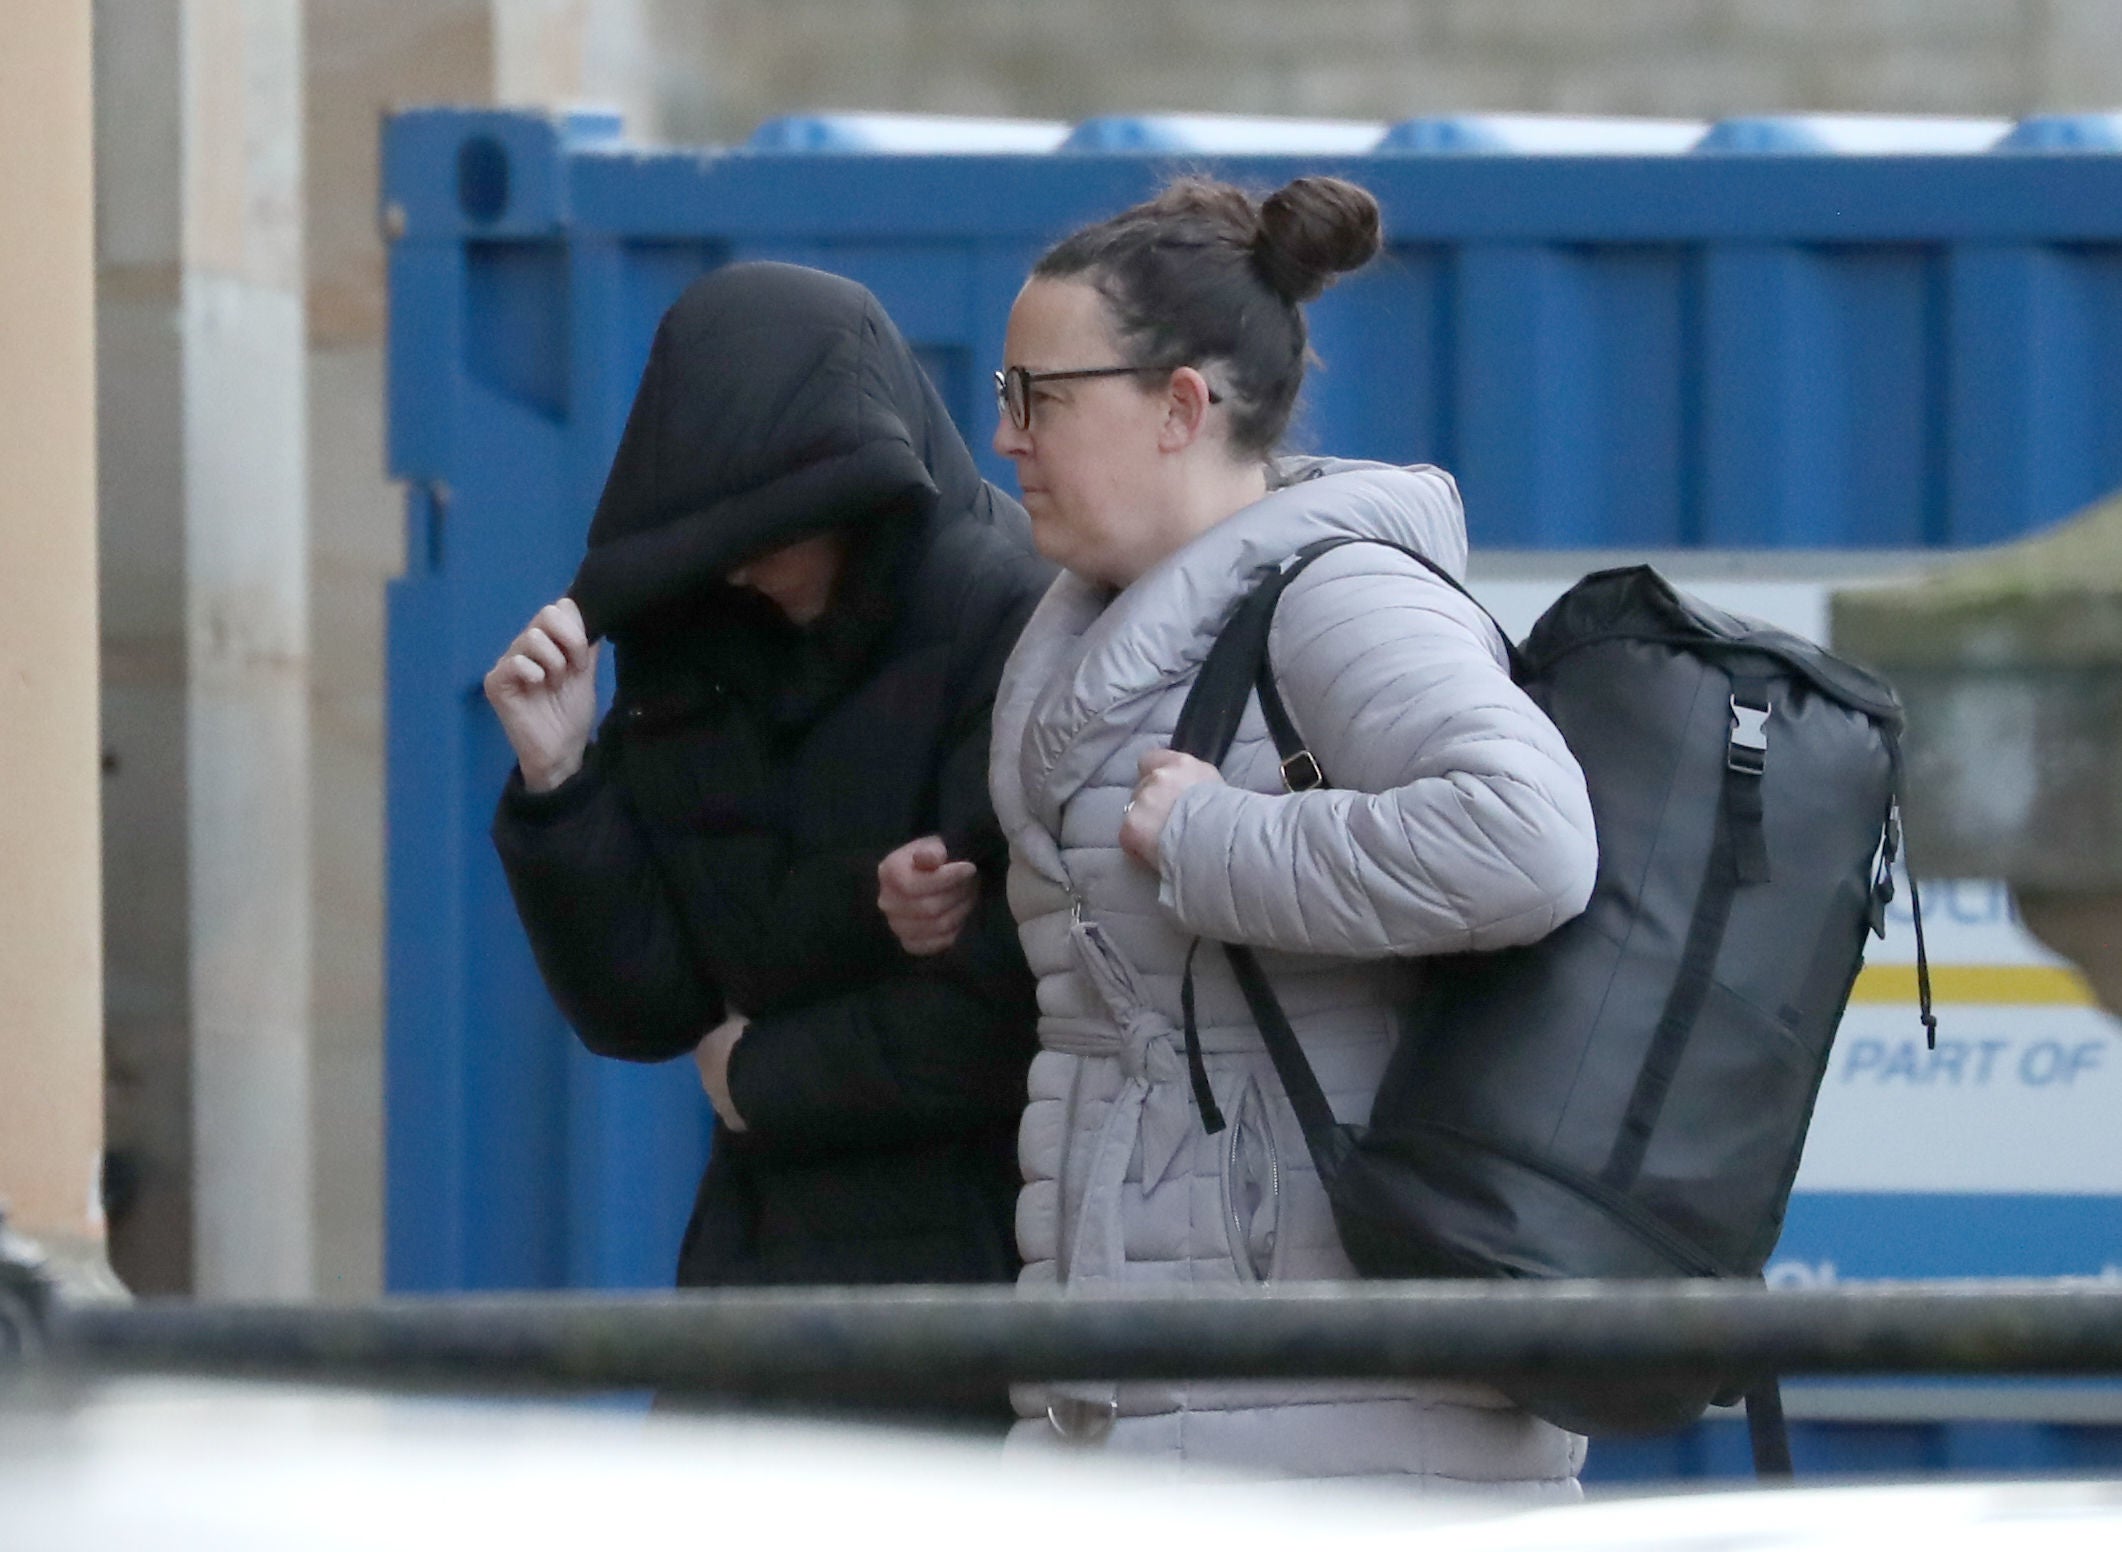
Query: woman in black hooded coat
[[717, 847]]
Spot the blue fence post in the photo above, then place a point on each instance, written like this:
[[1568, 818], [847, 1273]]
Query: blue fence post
[[427, 1108]]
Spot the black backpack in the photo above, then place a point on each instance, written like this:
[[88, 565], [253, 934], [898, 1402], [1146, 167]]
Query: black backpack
[[1628, 1096]]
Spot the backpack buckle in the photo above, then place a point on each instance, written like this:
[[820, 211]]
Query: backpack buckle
[[1301, 773], [1747, 753]]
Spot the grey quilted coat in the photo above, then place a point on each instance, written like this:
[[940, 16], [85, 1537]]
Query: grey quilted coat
[[1457, 820]]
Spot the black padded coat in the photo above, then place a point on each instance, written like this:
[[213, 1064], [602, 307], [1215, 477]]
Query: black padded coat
[[718, 850]]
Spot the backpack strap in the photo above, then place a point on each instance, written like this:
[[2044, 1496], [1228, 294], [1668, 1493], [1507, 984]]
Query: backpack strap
[[1196, 1069], [1745, 771], [1324, 1138], [1738, 856], [1236, 669], [1766, 1430], [1208, 722], [1301, 771]]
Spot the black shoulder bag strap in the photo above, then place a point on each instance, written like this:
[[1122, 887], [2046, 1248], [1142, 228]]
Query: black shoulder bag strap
[[1207, 726], [1237, 668]]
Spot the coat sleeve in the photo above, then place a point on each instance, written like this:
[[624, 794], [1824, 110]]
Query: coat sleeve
[[607, 937], [920, 1056], [784, 928], [1457, 818], [938, 1048]]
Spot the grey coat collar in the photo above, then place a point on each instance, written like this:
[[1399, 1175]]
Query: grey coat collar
[[1091, 664]]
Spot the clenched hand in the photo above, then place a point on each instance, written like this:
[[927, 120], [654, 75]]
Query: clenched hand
[[711, 1056], [1165, 773], [544, 689], [925, 896]]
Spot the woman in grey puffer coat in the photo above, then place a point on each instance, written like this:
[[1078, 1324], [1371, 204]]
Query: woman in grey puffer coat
[[1152, 364]]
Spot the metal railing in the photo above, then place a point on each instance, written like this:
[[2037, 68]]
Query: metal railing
[[793, 1344]]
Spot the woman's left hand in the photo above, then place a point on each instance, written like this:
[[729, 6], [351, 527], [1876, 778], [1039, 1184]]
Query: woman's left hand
[[711, 1056], [926, 898], [1165, 774]]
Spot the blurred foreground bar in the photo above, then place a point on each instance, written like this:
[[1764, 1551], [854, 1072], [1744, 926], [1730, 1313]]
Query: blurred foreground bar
[[796, 1343]]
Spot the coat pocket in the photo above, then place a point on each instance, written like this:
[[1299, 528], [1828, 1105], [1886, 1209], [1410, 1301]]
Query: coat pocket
[[1252, 1188]]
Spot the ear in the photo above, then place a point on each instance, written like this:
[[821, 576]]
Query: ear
[[1185, 411]]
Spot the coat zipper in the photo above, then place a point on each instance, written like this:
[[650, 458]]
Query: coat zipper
[[1252, 1109]]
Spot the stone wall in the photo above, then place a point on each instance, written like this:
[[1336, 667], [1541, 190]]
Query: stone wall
[[362, 59], [719, 66], [204, 620]]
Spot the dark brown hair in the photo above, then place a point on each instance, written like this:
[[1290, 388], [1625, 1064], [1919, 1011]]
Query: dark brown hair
[[1205, 273]]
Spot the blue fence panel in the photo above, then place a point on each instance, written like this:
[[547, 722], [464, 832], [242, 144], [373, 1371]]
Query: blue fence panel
[[1618, 334], [1820, 1448]]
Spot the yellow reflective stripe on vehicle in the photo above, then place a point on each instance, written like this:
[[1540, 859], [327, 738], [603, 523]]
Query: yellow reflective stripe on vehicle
[[2012, 985]]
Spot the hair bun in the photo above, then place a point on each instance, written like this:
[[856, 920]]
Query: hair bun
[[1311, 230]]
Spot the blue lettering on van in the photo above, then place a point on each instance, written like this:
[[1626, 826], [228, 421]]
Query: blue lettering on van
[[1954, 1064], [2047, 1063], [1965, 902]]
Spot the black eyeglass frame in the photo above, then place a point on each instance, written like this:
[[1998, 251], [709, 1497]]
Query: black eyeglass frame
[[1024, 379]]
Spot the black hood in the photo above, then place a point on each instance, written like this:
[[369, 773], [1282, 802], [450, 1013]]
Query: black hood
[[778, 403]]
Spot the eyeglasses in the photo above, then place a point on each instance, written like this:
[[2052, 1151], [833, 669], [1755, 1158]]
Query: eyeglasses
[[1013, 387]]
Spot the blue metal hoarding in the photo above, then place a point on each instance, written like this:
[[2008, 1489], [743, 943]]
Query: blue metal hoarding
[[1817, 335]]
